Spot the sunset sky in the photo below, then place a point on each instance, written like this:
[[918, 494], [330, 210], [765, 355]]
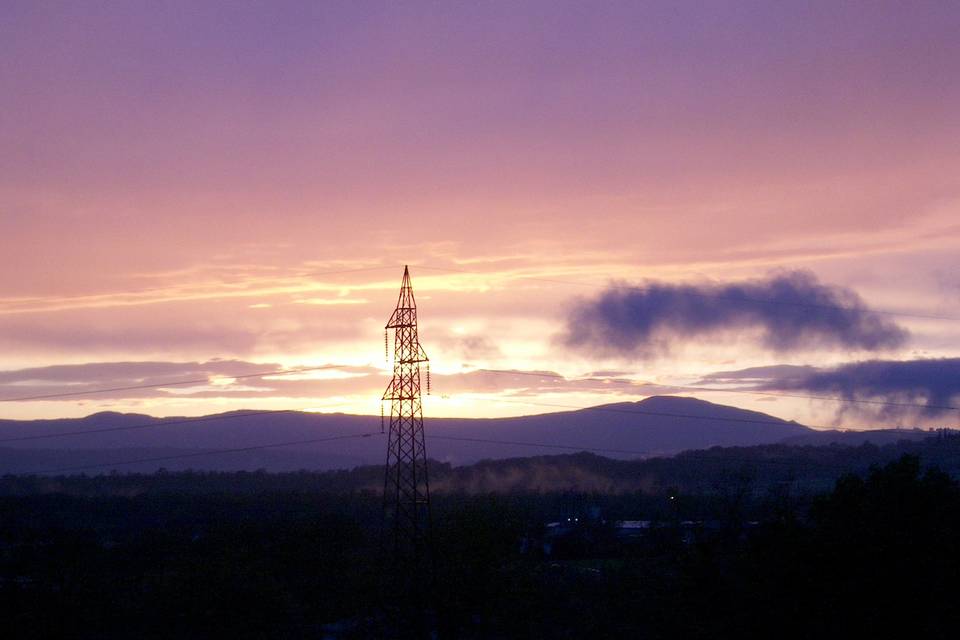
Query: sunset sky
[[629, 198]]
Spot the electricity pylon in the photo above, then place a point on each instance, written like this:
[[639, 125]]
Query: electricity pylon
[[406, 489]]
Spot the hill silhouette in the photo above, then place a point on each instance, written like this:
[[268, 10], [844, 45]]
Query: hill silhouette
[[658, 425]]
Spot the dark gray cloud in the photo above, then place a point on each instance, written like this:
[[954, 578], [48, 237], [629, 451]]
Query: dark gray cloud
[[759, 375], [792, 311], [934, 384], [888, 388]]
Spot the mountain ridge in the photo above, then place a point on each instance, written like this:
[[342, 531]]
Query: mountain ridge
[[658, 425]]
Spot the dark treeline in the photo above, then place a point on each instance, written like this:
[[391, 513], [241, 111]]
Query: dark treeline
[[256, 555], [763, 468]]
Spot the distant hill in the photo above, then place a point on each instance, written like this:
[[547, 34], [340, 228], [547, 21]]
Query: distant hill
[[761, 472], [856, 438], [654, 426]]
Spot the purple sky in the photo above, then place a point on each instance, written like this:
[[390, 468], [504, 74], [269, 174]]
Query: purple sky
[[178, 180]]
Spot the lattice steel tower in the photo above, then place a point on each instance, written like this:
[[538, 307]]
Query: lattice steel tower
[[406, 490]]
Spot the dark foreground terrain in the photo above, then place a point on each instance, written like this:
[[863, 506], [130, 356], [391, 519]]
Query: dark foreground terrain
[[722, 545]]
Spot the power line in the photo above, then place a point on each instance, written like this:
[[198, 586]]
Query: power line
[[178, 383], [310, 441], [539, 445], [248, 414], [719, 296], [159, 423], [368, 435], [231, 416], [690, 454], [654, 455], [204, 453], [668, 414]]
